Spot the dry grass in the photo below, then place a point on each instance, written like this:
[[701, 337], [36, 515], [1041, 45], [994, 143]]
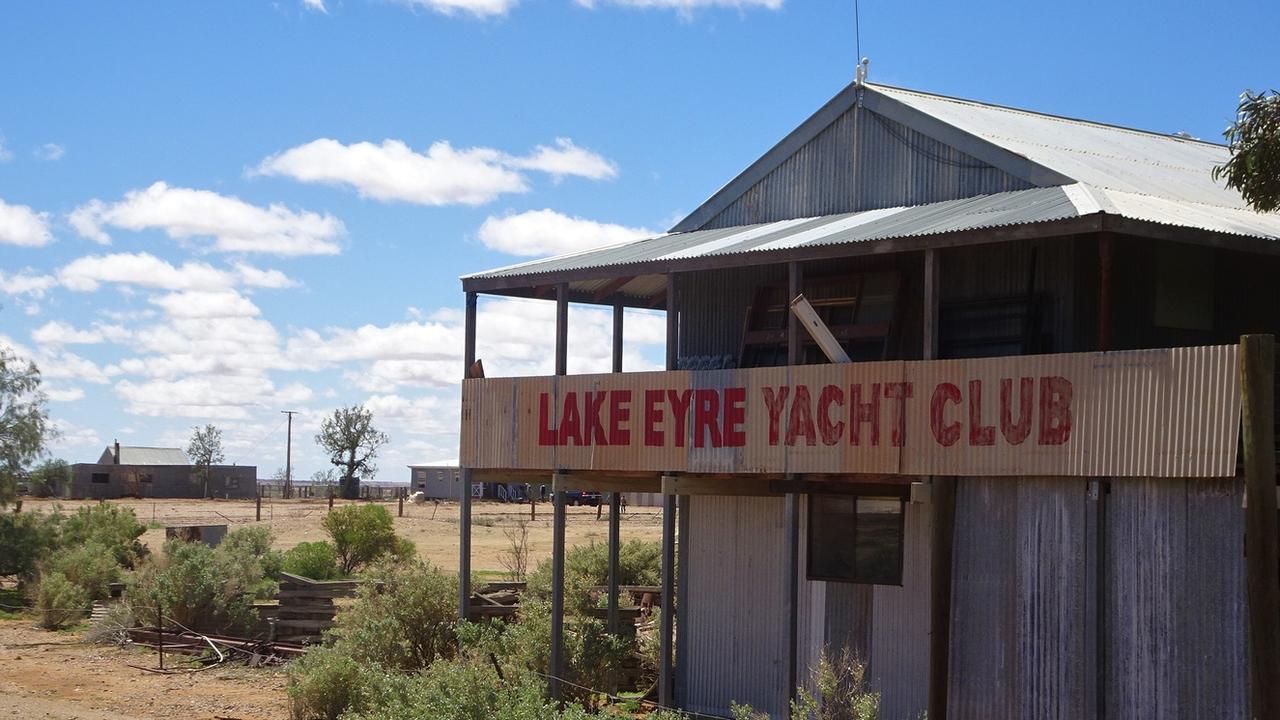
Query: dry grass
[[432, 527]]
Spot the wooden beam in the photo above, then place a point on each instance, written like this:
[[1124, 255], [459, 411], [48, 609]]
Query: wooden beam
[[611, 287], [727, 485], [1262, 556], [605, 483], [562, 329], [557, 593], [825, 487], [666, 629], [943, 506], [464, 493], [1105, 312], [807, 318], [618, 315]]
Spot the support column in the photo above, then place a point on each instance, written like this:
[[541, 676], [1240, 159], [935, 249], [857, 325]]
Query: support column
[[615, 499], [1105, 254], [1257, 388], [791, 506], [667, 628], [464, 496], [943, 502], [558, 515]]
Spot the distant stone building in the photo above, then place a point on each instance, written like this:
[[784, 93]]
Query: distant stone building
[[132, 471]]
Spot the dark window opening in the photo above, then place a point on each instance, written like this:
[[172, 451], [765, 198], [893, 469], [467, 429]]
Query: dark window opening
[[102, 478], [859, 309], [233, 483], [1184, 287], [144, 477], [856, 538]]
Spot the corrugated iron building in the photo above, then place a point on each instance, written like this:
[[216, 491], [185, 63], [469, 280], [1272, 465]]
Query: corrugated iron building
[[132, 471], [932, 227]]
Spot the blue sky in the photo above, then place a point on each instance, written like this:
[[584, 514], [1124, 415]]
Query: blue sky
[[212, 212]]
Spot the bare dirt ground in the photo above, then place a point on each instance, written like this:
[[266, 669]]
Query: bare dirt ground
[[432, 528], [53, 675]]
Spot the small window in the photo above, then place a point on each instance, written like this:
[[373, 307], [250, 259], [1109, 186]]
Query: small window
[[102, 478], [144, 477], [420, 474], [233, 483], [856, 538], [1184, 287]]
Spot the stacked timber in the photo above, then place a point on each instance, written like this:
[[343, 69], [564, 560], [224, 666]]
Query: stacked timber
[[496, 600], [307, 607]]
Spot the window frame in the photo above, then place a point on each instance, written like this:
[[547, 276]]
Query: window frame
[[878, 493]]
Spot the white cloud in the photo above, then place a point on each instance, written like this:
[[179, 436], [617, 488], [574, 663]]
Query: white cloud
[[478, 8], [58, 364], [425, 415], [206, 304], [196, 396], [547, 232], [5, 154], [442, 175], [49, 152], [515, 337], [394, 171], [73, 436], [60, 333], [686, 6], [87, 273], [26, 283], [257, 277], [59, 394], [20, 225], [317, 5], [234, 225], [567, 159]]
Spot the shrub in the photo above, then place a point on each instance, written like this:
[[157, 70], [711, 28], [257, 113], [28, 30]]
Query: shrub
[[111, 526], [315, 560], [111, 627], [27, 539], [194, 585], [842, 691], [325, 683], [59, 601], [639, 563], [361, 534], [91, 567], [405, 623], [255, 541], [466, 689]]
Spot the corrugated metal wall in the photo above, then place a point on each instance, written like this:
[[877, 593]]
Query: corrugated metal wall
[[1175, 600], [734, 626], [1018, 599], [898, 166]]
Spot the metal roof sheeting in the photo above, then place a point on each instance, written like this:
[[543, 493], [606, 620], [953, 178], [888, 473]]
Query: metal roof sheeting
[[1019, 207], [135, 455], [1104, 156]]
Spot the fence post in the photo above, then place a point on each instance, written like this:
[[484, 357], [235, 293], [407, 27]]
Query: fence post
[[1257, 408], [257, 506], [400, 511]]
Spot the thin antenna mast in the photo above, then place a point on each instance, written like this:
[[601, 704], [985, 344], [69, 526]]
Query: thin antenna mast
[[288, 455], [857, 32]]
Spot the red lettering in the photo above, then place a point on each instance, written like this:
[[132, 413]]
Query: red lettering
[[735, 416], [831, 432], [680, 412], [593, 428], [864, 412], [945, 433], [800, 423], [775, 403], [653, 435], [979, 434], [1016, 434], [1055, 410], [546, 431], [898, 391], [706, 417], [619, 414], [570, 422]]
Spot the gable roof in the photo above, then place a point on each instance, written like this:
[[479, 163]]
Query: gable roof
[[1079, 174], [140, 455]]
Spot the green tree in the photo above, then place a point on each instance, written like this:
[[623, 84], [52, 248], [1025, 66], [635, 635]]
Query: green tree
[[205, 450], [352, 442], [27, 540], [24, 421], [361, 534], [1254, 140], [49, 478]]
